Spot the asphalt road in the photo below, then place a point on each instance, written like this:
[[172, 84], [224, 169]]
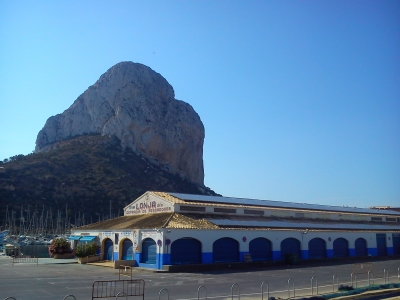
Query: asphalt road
[[53, 281]]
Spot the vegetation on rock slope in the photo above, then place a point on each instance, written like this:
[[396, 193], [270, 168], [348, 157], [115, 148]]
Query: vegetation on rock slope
[[81, 176]]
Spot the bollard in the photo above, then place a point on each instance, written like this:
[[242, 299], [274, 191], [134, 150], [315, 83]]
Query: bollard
[[312, 285], [333, 282], [198, 291], [385, 276], [235, 284], [294, 289], [159, 294], [262, 290], [353, 278]]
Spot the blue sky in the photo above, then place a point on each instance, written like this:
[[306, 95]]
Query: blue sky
[[300, 99]]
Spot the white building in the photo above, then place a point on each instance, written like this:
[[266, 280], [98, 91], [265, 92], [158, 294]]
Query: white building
[[160, 229]]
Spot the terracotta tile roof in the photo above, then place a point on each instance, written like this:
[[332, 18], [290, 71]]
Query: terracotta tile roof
[[190, 222], [130, 222]]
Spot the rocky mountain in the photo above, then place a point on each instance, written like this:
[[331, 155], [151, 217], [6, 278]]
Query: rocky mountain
[[82, 175], [138, 106]]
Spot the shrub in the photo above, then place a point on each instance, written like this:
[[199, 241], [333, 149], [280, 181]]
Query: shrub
[[83, 250], [59, 246], [344, 287]]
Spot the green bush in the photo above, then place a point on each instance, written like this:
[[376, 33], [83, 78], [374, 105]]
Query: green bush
[[59, 246], [83, 250]]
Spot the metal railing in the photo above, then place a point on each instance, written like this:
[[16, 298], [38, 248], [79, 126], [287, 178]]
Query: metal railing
[[25, 260], [111, 288]]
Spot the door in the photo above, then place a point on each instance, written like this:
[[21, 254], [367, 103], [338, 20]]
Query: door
[[149, 251], [108, 250], [317, 248], [340, 248], [225, 250], [361, 247], [396, 243], [260, 249], [185, 251], [381, 244], [290, 246], [127, 250]]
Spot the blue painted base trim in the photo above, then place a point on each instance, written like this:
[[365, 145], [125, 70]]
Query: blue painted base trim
[[207, 257], [352, 252], [390, 250], [167, 259], [241, 256], [150, 266], [329, 253], [137, 256], [305, 254], [276, 255], [372, 251], [115, 255]]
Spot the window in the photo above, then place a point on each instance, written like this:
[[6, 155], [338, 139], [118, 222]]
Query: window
[[253, 212], [225, 210], [391, 219], [192, 208], [376, 219]]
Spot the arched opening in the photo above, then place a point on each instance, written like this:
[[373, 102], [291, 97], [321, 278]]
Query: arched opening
[[225, 250], [185, 251], [396, 243], [149, 251], [260, 249], [317, 248], [108, 249], [127, 250], [381, 244], [360, 246], [340, 247], [290, 246]]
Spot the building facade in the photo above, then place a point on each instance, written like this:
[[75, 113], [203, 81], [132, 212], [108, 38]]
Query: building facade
[[160, 229]]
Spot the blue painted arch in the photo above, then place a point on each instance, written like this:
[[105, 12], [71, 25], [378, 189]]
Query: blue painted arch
[[225, 250], [108, 249], [340, 247], [317, 248], [360, 247], [127, 250], [149, 251], [290, 246], [186, 251], [260, 249]]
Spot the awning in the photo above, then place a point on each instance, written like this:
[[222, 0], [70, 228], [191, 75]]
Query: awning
[[74, 237], [87, 238]]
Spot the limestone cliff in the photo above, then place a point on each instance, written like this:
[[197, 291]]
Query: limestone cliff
[[138, 106]]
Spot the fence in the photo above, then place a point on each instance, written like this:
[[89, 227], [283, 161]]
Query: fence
[[25, 260], [114, 288]]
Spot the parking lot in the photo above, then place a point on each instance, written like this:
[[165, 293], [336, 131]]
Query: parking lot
[[55, 279]]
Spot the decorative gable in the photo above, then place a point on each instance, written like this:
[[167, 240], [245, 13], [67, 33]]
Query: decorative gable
[[148, 203]]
